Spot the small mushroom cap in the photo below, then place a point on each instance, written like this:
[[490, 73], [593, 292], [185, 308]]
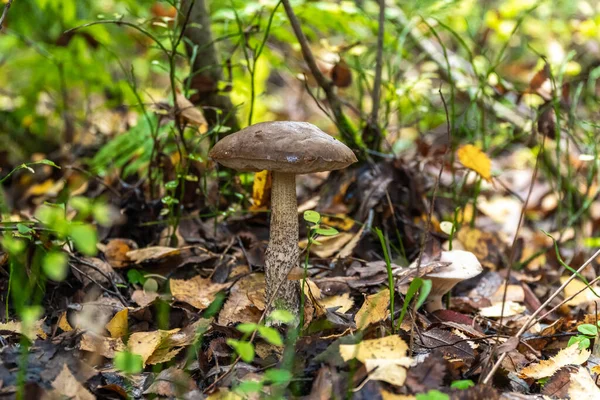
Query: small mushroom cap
[[463, 265], [282, 146]]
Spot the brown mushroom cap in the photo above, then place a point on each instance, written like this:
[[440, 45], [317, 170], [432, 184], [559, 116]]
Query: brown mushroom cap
[[282, 146]]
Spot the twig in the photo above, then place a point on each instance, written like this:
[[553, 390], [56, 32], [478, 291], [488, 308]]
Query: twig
[[327, 85], [5, 13], [105, 275], [378, 64], [533, 316]]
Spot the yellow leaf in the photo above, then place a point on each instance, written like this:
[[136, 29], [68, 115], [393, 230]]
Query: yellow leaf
[[146, 344], [117, 326], [343, 301], [385, 395], [495, 310], [261, 190], [571, 355], [386, 358], [63, 323], [473, 158], [374, 309], [581, 292], [106, 347]]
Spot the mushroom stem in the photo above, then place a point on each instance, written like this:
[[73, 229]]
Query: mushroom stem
[[282, 253]]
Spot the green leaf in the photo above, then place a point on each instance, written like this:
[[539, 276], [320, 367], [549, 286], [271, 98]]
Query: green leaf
[[584, 343], [129, 363], [247, 327], [24, 229], [271, 335], [326, 231], [432, 395], [588, 329], [282, 316], [278, 376], [101, 213], [81, 204], [244, 349], [85, 238], [248, 387], [424, 291], [462, 384], [150, 286], [55, 265], [414, 286], [134, 276], [312, 216], [215, 306], [171, 185], [46, 162]]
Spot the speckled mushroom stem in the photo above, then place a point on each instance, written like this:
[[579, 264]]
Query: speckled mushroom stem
[[282, 252]]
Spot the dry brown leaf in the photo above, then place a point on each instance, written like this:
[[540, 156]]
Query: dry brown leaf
[[116, 251], [172, 382], [150, 254], [348, 248], [95, 268], [575, 286], [106, 347], [240, 306], [67, 385], [343, 301], [198, 292], [374, 309], [143, 298], [514, 293], [146, 343], [118, 326], [495, 310], [385, 358], [31, 332], [329, 245], [571, 355], [582, 386]]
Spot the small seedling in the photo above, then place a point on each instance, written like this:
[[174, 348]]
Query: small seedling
[[587, 333]]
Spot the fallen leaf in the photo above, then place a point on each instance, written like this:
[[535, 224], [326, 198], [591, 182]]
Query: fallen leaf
[[385, 395], [67, 385], [545, 368], [240, 306], [106, 347], [63, 323], [385, 358], [495, 310], [118, 326], [143, 298], [574, 287], [343, 301], [172, 382], [116, 251], [473, 158], [374, 309], [150, 254], [329, 245], [198, 292], [31, 332], [145, 344], [261, 190], [91, 267]]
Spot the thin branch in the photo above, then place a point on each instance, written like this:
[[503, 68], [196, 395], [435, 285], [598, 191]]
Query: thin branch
[[5, 13], [326, 84], [378, 64]]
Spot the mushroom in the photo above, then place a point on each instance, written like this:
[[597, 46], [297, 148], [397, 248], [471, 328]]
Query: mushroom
[[286, 149], [463, 265]]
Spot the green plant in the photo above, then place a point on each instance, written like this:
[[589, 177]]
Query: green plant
[[462, 384], [432, 395], [587, 332]]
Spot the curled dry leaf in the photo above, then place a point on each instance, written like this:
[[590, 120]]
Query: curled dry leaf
[[67, 385], [495, 310], [198, 292], [94, 268], [571, 355], [116, 251], [385, 359], [106, 347], [374, 309]]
